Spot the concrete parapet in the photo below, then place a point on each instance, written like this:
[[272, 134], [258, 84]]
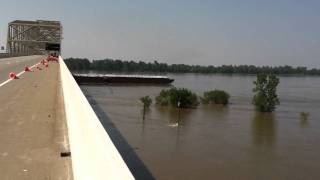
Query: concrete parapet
[[94, 156], [7, 55]]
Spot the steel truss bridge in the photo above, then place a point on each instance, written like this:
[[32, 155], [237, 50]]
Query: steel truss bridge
[[34, 37]]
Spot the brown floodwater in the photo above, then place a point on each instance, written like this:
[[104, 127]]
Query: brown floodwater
[[215, 142]]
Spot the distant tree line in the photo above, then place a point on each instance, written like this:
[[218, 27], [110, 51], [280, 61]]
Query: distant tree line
[[156, 67]]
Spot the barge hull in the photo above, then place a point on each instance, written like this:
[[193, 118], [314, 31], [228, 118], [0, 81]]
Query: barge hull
[[103, 80]]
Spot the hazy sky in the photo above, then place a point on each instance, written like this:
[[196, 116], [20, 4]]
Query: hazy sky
[[259, 32]]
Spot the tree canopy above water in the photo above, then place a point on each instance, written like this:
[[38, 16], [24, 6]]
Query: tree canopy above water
[[111, 65], [177, 97], [266, 98], [215, 97]]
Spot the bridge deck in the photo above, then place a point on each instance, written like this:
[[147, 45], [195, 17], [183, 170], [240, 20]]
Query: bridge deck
[[33, 129]]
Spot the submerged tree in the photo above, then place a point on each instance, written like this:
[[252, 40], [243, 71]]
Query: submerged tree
[[215, 97], [266, 98], [146, 101], [163, 98], [304, 116], [177, 97]]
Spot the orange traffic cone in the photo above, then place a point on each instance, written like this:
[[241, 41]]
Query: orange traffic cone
[[43, 61], [27, 69], [13, 75]]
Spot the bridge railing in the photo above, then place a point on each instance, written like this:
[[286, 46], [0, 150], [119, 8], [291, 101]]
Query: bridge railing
[[93, 154]]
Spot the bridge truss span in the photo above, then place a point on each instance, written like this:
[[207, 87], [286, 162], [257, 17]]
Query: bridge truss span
[[34, 37]]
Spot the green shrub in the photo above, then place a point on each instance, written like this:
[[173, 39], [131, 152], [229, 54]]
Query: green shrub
[[163, 98], [181, 97], [215, 97]]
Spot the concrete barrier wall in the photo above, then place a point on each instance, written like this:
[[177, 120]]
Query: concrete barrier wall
[[94, 156], [6, 55]]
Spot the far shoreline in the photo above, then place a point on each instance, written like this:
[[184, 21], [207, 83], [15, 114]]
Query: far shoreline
[[140, 67]]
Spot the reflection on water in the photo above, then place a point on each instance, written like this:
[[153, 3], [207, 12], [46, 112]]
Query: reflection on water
[[304, 123], [215, 142], [174, 115], [264, 129], [304, 119]]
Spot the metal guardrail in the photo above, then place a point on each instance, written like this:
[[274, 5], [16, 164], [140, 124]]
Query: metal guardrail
[[94, 156]]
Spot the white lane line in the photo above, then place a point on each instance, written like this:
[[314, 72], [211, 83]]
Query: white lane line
[[19, 74]]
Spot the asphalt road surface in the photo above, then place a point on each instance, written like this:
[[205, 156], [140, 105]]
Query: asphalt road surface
[[16, 64], [33, 129]]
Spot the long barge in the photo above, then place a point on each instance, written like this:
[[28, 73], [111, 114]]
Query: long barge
[[87, 79]]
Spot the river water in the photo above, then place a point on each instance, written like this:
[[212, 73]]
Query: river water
[[214, 142]]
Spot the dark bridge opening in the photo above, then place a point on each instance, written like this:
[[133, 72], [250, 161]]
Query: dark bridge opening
[[52, 47]]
